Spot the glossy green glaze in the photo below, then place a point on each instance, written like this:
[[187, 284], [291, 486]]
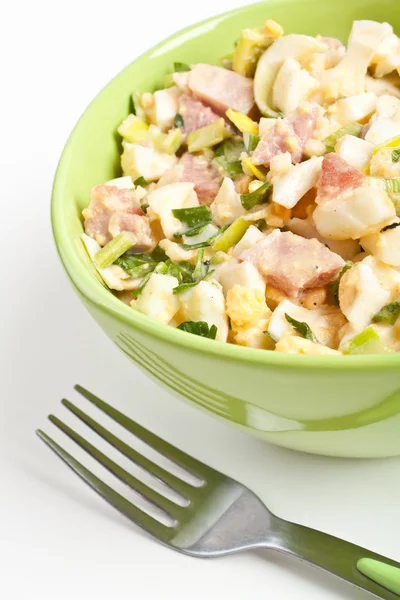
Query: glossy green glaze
[[386, 575], [340, 406]]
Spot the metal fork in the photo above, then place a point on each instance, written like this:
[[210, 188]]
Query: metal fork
[[220, 516]]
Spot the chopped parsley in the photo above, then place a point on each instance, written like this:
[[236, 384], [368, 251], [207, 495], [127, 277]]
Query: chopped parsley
[[179, 123], [140, 181], [335, 284], [200, 328], [180, 67], [301, 327]]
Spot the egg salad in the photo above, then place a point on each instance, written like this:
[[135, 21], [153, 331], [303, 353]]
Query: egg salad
[[259, 200]]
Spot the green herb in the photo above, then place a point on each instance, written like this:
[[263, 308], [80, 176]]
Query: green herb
[[200, 269], [191, 232], [231, 168], [200, 328], [184, 286], [168, 81], [228, 156], [335, 284], [161, 268], [270, 336], [141, 287], [392, 226], [301, 327], [197, 215], [350, 129], [208, 136], [137, 108], [136, 265], [253, 143], [180, 67], [195, 246], [396, 155], [195, 218], [186, 269], [259, 196], [158, 254], [388, 313], [232, 235], [207, 243], [178, 121], [366, 342], [140, 181], [114, 249]]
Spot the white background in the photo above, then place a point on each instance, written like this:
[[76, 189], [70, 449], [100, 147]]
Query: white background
[[57, 538]]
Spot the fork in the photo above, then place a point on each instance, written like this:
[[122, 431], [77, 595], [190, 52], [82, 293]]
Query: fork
[[220, 516]]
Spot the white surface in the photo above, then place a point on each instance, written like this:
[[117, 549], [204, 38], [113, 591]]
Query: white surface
[[58, 540]]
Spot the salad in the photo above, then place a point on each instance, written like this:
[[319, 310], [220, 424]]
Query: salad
[[259, 202]]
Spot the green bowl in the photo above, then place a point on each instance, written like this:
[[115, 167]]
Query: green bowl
[[338, 406]]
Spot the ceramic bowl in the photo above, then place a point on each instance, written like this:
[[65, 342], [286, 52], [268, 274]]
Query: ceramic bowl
[[341, 406]]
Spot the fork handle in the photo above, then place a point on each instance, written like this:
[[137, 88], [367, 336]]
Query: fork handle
[[367, 570]]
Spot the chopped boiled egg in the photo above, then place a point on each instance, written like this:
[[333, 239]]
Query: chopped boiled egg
[[115, 277], [123, 183], [385, 244], [365, 289], [249, 315], [324, 322], [165, 107], [382, 164], [296, 345], [348, 78], [140, 161], [250, 238], [354, 108], [266, 123], [288, 189], [234, 273], [382, 130], [206, 302], [176, 253], [157, 299], [360, 213], [292, 86], [164, 199], [387, 57], [227, 205], [355, 151]]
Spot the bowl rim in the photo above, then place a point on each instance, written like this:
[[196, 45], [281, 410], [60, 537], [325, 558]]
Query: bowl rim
[[92, 290]]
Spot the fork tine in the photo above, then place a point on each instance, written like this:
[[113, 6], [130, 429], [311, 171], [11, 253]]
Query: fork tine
[[168, 479], [134, 514], [180, 458], [172, 510]]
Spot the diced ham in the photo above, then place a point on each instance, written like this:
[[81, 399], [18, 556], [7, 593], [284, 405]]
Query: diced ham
[[112, 210], [195, 114], [293, 264], [137, 223], [199, 170], [221, 88], [290, 134], [337, 178]]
